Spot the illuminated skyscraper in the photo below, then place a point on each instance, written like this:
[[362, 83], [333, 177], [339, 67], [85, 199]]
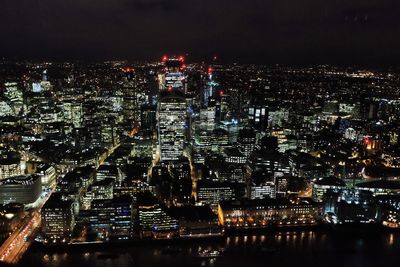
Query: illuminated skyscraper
[[209, 90], [73, 113], [14, 96], [171, 125], [173, 76], [258, 117]]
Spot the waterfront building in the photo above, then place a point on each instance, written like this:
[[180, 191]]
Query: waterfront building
[[58, 218], [154, 221], [112, 218], [196, 221], [260, 213]]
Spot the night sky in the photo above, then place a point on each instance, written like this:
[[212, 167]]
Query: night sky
[[259, 31]]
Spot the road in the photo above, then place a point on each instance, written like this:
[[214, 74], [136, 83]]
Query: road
[[12, 250], [154, 162], [18, 243]]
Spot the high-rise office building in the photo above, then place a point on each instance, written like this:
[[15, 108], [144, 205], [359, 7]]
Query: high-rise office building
[[258, 117], [247, 140], [173, 76], [148, 119], [207, 118], [73, 113], [14, 96], [172, 125]]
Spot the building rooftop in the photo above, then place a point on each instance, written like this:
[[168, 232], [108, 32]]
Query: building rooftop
[[331, 180], [9, 157], [58, 200], [146, 199], [123, 199], [263, 203], [192, 213], [105, 182], [19, 180], [381, 184]]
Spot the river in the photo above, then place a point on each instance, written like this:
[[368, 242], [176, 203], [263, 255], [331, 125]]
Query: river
[[288, 248]]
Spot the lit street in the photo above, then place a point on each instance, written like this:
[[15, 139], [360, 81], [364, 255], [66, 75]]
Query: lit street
[[15, 246], [199, 133]]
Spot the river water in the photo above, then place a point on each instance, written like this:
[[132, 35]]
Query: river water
[[288, 248]]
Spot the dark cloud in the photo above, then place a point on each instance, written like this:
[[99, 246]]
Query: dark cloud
[[270, 31]]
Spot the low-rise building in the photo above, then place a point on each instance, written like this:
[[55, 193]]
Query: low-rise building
[[260, 213]]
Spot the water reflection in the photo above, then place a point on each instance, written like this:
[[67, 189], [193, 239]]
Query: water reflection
[[281, 249], [391, 239]]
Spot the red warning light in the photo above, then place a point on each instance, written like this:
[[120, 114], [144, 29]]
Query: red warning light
[[366, 140], [221, 93], [210, 70], [169, 88], [127, 69], [181, 58], [183, 66], [165, 58]]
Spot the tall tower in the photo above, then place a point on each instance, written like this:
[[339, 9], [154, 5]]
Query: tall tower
[[171, 124], [173, 75]]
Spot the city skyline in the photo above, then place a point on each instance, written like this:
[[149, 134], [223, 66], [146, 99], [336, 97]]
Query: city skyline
[[199, 133], [118, 153]]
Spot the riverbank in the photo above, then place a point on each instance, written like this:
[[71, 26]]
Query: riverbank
[[99, 246], [342, 246]]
